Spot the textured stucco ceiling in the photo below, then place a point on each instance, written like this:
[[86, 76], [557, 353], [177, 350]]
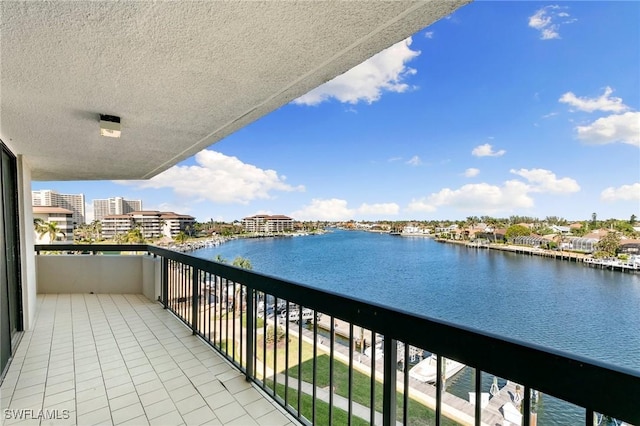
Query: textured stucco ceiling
[[181, 75]]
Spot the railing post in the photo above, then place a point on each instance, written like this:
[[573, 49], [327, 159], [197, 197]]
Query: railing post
[[526, 407], [195, 296], [249, 356], [164, 282], [478, 391], [389, 385]]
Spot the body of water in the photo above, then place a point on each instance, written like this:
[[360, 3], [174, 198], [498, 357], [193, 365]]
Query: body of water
[[557, 304]]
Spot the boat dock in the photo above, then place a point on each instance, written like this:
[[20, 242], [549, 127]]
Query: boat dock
[[458, 409], [611, 264]]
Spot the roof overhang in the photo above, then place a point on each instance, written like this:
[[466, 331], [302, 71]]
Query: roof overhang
[[180, 75]]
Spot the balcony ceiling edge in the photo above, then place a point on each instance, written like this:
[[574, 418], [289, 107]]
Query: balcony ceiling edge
[[181, 76]]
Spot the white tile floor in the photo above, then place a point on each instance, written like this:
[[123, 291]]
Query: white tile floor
[[121, 359]]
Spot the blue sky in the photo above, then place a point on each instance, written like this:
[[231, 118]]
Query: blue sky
[[503, 108]]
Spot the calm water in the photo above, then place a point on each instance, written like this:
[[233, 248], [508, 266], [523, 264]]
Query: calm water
[[567, 306]]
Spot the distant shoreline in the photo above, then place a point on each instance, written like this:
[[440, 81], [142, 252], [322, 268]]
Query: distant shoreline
[[563, 255]]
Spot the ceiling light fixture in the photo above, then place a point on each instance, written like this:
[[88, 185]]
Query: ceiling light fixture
[[110, 126]]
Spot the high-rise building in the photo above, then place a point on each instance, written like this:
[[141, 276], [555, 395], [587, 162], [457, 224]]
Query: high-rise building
[[73, 202], [114, 206]]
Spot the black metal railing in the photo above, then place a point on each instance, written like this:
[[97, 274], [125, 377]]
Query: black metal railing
[[317, 353]]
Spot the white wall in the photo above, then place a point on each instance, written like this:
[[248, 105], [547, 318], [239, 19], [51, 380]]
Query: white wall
[[151, 273], [27, 252], [90, 274]]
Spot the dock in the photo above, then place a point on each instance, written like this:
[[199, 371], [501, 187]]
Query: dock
[[456, 408]]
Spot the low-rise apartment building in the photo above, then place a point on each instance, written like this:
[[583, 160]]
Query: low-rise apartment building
[[152, 223], [267, 223], [63, 219]]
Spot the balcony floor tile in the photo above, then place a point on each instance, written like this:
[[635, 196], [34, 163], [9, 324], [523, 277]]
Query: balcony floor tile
[[121, 359]]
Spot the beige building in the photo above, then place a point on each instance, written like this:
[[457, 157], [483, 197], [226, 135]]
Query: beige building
[[64, 223], [266, 223], [152, 223]]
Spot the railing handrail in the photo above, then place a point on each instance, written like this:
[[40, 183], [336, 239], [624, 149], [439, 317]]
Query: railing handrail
[[579, 380], [92, 248]]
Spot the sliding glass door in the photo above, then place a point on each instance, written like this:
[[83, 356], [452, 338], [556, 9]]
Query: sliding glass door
[[10, 282]]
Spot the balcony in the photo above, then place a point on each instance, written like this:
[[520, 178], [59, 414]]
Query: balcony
[[228, 345], [121, 359]]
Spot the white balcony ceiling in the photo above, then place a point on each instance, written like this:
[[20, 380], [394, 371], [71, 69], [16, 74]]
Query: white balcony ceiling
[[181, 75]]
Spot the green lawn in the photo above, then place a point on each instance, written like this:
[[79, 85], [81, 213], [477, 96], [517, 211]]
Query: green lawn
[[340, 417], [418, 413], [361, 389]]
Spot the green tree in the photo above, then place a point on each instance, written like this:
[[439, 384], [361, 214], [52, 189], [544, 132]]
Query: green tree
[[608, 245], [38, 225], [625, 228], [134, 236], [242, 262], [558, 240], [517, 231], [632, 219], [181, 237], [48, 228]]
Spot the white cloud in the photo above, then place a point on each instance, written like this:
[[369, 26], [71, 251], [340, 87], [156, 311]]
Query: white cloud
[[486, 198], [551, 114], [394, 159], [337, 209], [486, 150], [471, 172], [169, 207], [480, 197], [428, 34], [383, 72], [414, 161], [420, 205], [219, 178], [542, 180], [623, 128], [622, 193], [602, 103], [384, 209], [548, 19], [331, 209]]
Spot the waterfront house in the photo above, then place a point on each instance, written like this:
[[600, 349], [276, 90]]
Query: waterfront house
[[493, 235], [558, 229], [125, 90], [629, 246]]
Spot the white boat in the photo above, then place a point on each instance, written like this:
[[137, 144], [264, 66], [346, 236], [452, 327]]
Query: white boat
[[426, 370]]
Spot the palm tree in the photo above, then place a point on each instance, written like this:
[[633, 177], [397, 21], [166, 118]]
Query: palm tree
[[493, 223], [50, 229], [135, 236], [181, 237], [559, 239], [38, 225]]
